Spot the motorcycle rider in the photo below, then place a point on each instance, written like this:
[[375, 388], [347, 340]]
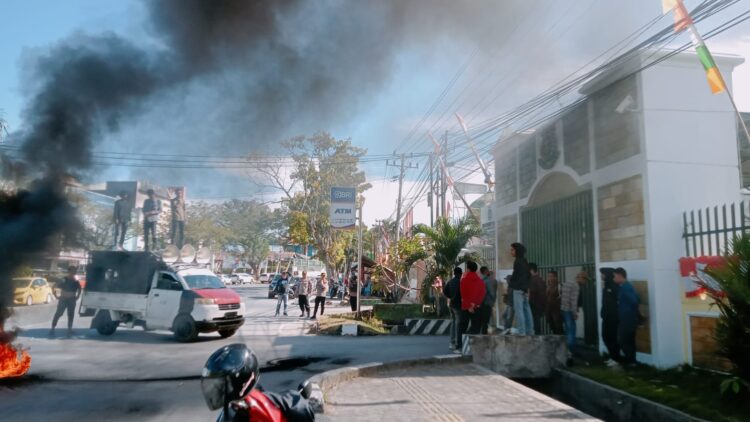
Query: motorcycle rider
[[228, 382]]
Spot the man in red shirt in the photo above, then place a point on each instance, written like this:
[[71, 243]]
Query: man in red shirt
[[473, 291]]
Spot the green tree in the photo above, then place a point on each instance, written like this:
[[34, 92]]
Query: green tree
[[732, 298], [319, 163], [252, 228], [204, 226], [444, 243]]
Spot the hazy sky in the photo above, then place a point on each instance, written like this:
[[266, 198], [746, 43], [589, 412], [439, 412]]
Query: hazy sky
[[511, 51]]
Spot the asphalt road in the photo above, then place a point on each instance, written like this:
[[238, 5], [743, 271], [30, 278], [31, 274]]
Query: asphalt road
[[138, 375]]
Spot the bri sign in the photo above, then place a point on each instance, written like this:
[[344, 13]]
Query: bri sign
[[343, 208]]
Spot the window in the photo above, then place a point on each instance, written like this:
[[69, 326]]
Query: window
[[165, 281], [203, 282]]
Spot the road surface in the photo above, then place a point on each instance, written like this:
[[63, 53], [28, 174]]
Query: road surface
[[138, 375]]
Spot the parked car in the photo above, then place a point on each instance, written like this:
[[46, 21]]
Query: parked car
[[226, 279], [244, 278], [31, 290], [265, 277]]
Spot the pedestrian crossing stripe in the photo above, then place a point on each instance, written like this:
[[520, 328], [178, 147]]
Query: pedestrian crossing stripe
[[465, 345], [428, 327]]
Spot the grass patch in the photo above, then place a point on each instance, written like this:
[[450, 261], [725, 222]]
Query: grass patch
[[690, 390], [367, 326], [396, 313]]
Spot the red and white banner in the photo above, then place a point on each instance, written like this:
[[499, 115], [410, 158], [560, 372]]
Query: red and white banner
[[693, 270]]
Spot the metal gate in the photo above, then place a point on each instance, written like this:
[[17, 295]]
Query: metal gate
[[560, 236]]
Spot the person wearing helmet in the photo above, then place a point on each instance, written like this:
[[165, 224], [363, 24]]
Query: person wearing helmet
[[229, 380]]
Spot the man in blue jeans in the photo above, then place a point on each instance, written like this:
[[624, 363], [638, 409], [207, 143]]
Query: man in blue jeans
[[282, 290], [519, 282], [569, 307]]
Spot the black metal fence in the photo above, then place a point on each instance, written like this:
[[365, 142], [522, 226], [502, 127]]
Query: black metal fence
[[709, 231]]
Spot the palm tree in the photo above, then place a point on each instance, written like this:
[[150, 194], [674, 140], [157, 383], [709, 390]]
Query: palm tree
[[445, 242]]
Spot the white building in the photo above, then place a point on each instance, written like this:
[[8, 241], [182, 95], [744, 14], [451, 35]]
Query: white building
[[606, 185]]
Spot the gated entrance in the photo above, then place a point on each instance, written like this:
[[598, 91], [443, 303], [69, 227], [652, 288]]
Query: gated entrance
[[559, 236]]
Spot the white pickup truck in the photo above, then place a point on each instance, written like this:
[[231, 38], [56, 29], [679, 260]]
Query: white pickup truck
[[139, 289]]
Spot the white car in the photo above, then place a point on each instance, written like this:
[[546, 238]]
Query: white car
[[265, 277], [244, 278], [226, 279]]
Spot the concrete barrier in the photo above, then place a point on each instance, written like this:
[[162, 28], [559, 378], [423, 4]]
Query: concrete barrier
[[519, 356]]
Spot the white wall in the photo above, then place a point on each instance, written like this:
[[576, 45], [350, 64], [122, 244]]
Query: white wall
[[692, 162]]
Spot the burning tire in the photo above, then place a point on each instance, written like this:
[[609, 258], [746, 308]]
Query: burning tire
[[184, 328], [227, 333], [104, 324]]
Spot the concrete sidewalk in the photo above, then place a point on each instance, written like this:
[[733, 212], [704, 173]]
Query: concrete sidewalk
[[442, 392]]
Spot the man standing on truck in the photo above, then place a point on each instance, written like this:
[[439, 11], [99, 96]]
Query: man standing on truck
[[151, 211], [178, 218], [70, 290], [123, 213]]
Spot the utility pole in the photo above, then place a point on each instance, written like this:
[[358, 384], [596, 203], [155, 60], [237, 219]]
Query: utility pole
[[360, 269], [444, 177], [431, 195], [402, 168]]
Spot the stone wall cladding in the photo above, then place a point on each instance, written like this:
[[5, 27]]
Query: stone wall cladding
[[576, 139], [506, 177], [507, 233], [704, 346], [622, 229]]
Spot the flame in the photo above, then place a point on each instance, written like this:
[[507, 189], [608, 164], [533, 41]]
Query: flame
[[13, 362]]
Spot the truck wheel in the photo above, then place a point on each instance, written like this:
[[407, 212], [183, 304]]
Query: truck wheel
[[270, 295], [184, 328], [227, 333], [104, 324]]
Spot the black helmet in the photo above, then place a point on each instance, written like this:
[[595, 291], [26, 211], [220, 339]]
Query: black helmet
[[229, 374]]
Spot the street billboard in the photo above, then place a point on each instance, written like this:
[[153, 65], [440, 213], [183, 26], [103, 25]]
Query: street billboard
[[343, 208]]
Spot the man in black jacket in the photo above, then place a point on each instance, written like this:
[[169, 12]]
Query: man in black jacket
[[610, 320], [519, 282], [122, 217], [452, 291]]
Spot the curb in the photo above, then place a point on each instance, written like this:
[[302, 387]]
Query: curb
[[324, 382]]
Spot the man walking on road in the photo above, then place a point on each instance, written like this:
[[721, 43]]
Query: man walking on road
[[151, 210], [70, 290], [321, 287], [303, 290], [537, 297], [489, 299], [282, 291], [452, 290], [628, 315], [519, 282], [123, 214], [473, 291]]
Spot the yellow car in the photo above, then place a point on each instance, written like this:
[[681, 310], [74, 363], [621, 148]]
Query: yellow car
[[31, 290]]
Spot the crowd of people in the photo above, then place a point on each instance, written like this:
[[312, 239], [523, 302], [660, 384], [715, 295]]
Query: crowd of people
[[534, 305]]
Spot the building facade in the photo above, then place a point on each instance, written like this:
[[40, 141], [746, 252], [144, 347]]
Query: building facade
[[605, 185]]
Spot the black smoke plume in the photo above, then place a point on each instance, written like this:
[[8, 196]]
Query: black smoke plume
[[273, 64]]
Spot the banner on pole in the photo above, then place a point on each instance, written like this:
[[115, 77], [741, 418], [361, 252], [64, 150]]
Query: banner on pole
[[343, 208]]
